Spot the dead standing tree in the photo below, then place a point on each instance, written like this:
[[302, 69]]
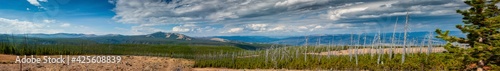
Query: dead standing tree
[[404, 39], [393, 37]]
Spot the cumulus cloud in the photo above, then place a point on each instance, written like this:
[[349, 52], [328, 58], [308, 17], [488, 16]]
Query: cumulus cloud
[[234, 30], [337, 14], [43, 0], [17, 26], [48, 21], [370, 23], [398, 8], [389, 14], [184, 28], [283, 28], [192, 28], [37, 2], [180, 29], [112, 1], [257, 27], [34, 2], [65, 25], [144, 29]]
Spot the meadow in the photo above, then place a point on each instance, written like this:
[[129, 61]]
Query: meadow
[[296, 57]]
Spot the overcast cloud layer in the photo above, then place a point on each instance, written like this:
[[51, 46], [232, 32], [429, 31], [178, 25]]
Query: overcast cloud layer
[[283, 17]]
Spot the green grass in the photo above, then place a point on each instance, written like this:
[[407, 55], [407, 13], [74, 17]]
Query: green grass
[[366, 62]]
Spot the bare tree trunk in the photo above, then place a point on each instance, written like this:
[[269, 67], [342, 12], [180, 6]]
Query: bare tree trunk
[[373, 45], [267, 54], [379, 47], [319, 41], [429, 43], [349, 48], [364, 44], [305, 55], [404, 40], [297, 53], [328, 49], [357, 48], [422, 45], [393, 37]]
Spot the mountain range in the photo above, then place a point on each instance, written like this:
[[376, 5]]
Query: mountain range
[[177, 38], [157, 38], [345, 39]]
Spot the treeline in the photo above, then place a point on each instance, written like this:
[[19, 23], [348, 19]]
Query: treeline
[[179, 51], [24, 49]]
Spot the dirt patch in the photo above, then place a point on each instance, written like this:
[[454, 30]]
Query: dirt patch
[[385, 51], [128, 63], [6, 58]]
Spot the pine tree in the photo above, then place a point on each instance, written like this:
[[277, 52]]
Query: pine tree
[[3, 48], [8, 49], [482, 25]]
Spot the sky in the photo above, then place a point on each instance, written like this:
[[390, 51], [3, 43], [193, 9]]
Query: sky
[[227, 17]]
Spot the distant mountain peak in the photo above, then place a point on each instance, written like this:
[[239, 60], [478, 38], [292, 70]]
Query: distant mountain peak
[[177, 36], [59, 35]]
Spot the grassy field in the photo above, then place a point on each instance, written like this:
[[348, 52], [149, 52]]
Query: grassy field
[[435, 61], [296, 57]]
